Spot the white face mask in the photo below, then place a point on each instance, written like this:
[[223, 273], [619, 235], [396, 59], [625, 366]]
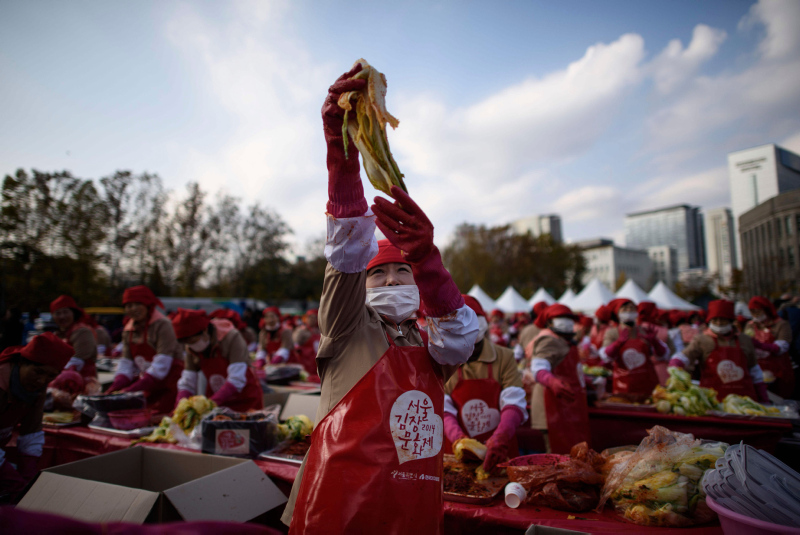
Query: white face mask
[[628, 317], [199, 346], [564, 325], [483, 326], [760, 319], [725, 329], [395, 302]]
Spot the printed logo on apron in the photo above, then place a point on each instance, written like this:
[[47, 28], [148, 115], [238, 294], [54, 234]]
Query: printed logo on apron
[[478, 417], [417, 431], [633, 359], [729, 372], [216, 381], [140, 362]]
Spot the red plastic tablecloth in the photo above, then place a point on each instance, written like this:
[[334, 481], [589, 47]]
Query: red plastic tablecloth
[[617, 427]]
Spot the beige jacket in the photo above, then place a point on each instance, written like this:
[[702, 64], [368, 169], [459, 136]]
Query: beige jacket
[[553, 350], [527, 335], [83, 342], [160, 336]]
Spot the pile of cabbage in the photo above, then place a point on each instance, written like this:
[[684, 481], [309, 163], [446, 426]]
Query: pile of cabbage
[[682, 397]]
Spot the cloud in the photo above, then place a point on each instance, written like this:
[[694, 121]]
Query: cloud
[[779, 18], [675, 65]]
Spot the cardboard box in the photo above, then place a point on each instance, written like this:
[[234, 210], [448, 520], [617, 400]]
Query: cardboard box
[[154, 485], [300, 404]]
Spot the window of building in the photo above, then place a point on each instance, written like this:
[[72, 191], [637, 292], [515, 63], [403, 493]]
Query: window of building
[[788, 222], [790, 256], [780, 257], [769, 232], [778, 228]]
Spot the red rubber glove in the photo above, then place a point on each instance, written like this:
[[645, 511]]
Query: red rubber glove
[[120, 382], [182, 394], [558, 386], [11, 481], [405, 225], [761, 390], [452, 429], [68, 381], [345, 190], [497, 446], [655, 343], [675, 363], [772, 349], [28, 467], [145, 384], [612, 350], [225, 395]]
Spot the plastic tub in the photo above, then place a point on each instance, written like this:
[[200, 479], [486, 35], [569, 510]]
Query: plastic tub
[[130, 419], [736, 524]]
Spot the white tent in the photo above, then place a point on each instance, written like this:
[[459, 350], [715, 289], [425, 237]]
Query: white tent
[[568, 296], [486, 302], [541, 295], [591, 297], [630, 290], [511, 302], [665, 299]]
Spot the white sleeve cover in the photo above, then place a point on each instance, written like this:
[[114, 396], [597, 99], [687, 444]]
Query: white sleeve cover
[[160, 366], [31, 444], [602, 354], [451, 339], [783, 345], [677, 339], [683, 358], [514, 395], [350, 243], [188, 381], [519, 352], [449, 406], [283, 353], [237, 374], [261, 354], [538, 365], [757, 374], [252, 348], [127, 368], [75, 361]]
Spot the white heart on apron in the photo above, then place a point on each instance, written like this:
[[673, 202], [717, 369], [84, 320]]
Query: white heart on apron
[[216, 381], [417, 431], [632, 358], [478, 418], [141, 363], [729, 372]]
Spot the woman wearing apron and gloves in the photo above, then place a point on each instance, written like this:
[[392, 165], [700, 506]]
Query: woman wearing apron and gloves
[[375, 462], [274, 340], [152, 360], [24, 375], [217, 348], [484, 399], [74, 329], [558, 405], [772, 337], [629, 347], [727, 359]]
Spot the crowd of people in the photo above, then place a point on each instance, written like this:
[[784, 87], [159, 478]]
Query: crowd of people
[[408, 366]]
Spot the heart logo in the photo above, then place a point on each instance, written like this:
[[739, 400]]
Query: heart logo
[[729, 372], [141, 363], [633, 359], [229, 439], [478, 418], [417, 431], [215, 382]]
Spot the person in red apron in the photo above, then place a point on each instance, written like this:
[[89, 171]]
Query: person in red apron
[[529, 332], [727, 360], [375, 461], [558, 404], [74, 327], [648, 320], [152, 359], [498, 328], [215, 347], [24, 375], [485, 400], [772, 337], [304, 352], [274, 340], [629, 348], [249, 335]]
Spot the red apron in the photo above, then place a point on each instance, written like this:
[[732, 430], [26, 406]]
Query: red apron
[[567, 422], [375, 462], [273, 344], [634, 374], [725, 370], [162, 398], [89, 370], [598, 336], [306, 356], [215, 368], [779, 365]]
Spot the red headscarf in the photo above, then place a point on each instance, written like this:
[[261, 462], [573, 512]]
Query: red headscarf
[[677, 316], [615, 304], [387, 253], [46, 348], [274, 310], [65, 301], [538, 308], [143, 295], [603, 314], [647, 312], [586, 322], [764, 304], [188, 323], [230, 315], [473, 303], [721, 308], [558, 311], [497, 312]]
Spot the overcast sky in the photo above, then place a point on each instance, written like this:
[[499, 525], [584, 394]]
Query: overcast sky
[[507, 109]]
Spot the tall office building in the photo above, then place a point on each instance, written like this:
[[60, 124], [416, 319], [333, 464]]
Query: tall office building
[[679, 227], [665, 264], [756, 175], [538, 225], [720, 243]]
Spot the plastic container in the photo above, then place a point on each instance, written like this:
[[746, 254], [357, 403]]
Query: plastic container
[[736, 524], [130, 419], [515, 495]]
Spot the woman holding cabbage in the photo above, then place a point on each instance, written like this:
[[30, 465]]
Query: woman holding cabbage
[[376, 451]]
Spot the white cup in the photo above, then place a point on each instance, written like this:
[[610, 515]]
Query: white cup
[[515, 495]]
